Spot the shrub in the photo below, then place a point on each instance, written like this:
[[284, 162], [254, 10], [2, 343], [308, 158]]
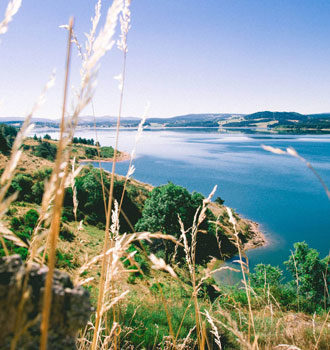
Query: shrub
[[312, 274], [219, 200], [264, 275], [66, 234], [46, 150], [38, 191], [22, 183], [160, 213], [42, 174], [106, 152], [90, 152], [64, 260], [31, 218], [15, 223]]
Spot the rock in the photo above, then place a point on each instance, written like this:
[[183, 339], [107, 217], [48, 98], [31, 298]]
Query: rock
[[70, 311]]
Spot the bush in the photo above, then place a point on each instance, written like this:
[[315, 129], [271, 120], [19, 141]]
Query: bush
[[90, 152], [106, 152], [15, 223], [31, 218], [312, 272], [46, 150], [64, 260], [66, 234], [160, 213], [219, 200], [42, 174], [264, 275], [22, 183], [38, 190]]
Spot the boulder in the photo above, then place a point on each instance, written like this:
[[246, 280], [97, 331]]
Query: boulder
[[21, 298]]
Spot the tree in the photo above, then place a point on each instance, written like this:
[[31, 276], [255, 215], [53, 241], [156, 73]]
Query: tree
[[311, 271], [91, 203], [264, 275], [47, 137], [38, 191], [90, 152], [31, 218], [22, 183], [163, 207], [106, 152], [4, 146], [161, 211], [46, 150]]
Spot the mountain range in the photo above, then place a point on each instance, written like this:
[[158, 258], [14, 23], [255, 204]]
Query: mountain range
[[263, 120]]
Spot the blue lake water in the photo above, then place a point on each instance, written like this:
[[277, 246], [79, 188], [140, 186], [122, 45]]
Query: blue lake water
[[278, 192]]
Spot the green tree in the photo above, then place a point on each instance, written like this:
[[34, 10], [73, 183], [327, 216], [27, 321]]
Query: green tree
[[22, 183], [91, 203], [37, 191], [264, 275], [31, 218], [46, 150], [4, 145], [90, 152], [7, 137], [312, 273], [161, 213], [106, 152]]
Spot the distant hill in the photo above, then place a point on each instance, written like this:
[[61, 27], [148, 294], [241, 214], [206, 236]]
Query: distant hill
[[286, 121], [192, 120], [282, 120], [103, 121]]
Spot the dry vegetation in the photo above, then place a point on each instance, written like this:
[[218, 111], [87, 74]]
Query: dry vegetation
[[168, 307]]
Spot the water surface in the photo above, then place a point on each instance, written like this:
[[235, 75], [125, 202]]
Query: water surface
[[278, 192]]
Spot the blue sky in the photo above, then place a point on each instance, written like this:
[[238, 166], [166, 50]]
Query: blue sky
[[185, 56]]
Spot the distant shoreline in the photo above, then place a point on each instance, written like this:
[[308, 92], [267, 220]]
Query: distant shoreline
[[122, 157]]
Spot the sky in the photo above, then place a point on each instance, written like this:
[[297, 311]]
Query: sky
[[185, 56]]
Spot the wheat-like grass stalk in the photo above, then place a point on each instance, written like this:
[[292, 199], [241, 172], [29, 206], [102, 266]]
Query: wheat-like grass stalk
[[60, 175], [316, 346], [293, 153], [190, 254], [131, 167], [9, 171], [121, 7], [11, 10], [243, 268], [214, 330]]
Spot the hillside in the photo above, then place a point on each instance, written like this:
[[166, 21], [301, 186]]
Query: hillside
[[289, 121], [34, 169], [274, 121]]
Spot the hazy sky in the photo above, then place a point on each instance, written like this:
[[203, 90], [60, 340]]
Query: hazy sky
[[185, 56]]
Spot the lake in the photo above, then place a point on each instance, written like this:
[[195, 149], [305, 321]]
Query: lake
[[279, 192]]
